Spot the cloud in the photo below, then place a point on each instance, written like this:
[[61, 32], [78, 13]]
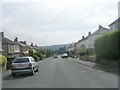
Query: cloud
[[51, 21]]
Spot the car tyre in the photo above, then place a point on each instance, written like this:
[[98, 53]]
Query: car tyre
[[37, 69], [33, 72]]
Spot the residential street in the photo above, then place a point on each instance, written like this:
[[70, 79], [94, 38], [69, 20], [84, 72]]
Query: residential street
[[63, 73]]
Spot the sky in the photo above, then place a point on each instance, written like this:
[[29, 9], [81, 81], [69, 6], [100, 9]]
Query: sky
[[50, 22]]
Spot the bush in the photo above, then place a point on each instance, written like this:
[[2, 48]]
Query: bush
[[82, 52], [106, 47], [89, 51], [3, 60], [39, 55]]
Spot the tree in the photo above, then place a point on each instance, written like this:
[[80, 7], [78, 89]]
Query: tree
[[39, 54], [48, 53]]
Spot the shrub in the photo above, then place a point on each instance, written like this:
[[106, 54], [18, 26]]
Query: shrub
[[3, 60], [82, 52], [39, 55]]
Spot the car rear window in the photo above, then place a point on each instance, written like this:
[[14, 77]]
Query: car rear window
[[20, 60]]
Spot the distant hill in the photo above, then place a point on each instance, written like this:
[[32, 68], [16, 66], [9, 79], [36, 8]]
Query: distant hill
[[56, 47]]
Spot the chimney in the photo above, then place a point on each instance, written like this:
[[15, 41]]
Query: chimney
[[89, 33], [82, 37], [31, 44], [2, 34], [16, 39], [100, 26], [24, 42]]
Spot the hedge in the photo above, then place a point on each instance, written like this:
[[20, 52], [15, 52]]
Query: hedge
[[107, 46]]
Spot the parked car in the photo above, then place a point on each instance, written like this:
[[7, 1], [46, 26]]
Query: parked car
[[64, 55], [24, 65]]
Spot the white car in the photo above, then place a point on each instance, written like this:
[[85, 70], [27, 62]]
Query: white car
[[24, 65], [64, 55]]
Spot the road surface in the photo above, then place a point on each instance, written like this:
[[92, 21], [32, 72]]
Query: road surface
[[63, 73]]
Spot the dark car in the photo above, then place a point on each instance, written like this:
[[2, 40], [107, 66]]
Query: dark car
[[55, 56]]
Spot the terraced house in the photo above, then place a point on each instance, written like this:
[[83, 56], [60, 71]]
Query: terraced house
[[33, 48], [10, 48], [24, 47], [88, 42], [115, 25]]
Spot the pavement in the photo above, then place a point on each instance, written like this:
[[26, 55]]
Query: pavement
[[102, 67], [7, 73]]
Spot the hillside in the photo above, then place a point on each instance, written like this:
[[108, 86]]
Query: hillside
[[56, 47]]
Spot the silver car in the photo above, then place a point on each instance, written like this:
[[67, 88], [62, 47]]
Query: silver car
[[24, 65]]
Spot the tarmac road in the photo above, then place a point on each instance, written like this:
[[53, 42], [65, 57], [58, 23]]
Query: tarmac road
[[63, 73]]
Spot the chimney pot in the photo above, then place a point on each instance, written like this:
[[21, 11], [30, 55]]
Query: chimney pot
[[89, 33], [82, 37], [31, 44], [100, 26], [16, 39], [24, 42]]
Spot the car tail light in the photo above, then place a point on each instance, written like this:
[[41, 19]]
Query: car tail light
[[30, 65]]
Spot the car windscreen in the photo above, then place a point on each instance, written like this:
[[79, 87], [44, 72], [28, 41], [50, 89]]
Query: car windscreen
[[21, 60]]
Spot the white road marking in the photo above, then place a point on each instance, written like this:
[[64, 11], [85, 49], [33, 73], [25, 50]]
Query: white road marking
[[83, 71]]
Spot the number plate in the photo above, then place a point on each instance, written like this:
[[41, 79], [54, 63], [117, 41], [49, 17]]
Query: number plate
[[20, 65]]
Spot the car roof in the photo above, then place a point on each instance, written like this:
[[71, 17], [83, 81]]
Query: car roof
[[24, 57]]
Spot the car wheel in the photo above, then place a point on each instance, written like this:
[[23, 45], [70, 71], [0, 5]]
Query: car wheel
[[37, 70], [33, 72]]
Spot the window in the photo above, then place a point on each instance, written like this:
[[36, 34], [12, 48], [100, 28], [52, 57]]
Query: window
[[20, 60]]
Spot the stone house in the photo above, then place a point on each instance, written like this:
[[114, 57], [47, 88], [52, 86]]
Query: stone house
[[114, 26], [24, 47], [70, 48], [90, 39], [33, 48], [10, 48], [88, 42]]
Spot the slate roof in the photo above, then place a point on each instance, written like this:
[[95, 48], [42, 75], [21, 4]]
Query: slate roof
[[100, 29], [23, 45], [8, 41], [116, 21], [96, 32]]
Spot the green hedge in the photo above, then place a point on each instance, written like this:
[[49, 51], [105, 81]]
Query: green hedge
[[107, 46]]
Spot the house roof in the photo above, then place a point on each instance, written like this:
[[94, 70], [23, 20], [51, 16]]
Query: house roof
[[31, 47], [116, 21], [8, 41], [23, 44], [96, 32]]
